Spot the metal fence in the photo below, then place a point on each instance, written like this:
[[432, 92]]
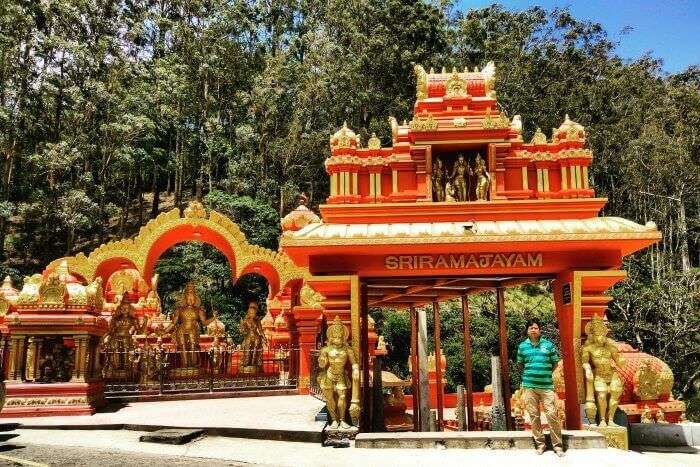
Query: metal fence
[[314, 388], [157, 370]]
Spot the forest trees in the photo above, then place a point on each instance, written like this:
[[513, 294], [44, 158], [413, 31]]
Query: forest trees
[[113, 111]]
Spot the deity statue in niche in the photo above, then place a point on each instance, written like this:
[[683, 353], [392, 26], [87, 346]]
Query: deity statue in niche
[[253, 340], [600, 359], [185, 324], [460, 178], [334, 379], [439, 177], [483, 180]]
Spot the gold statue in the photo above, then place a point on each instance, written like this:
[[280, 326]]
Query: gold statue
[[483, 179], [120, 336], [460, 178], [599, 357], [185, 322], [335, 381], [253, 342], [439, 176], [646, 415], [661, 416]]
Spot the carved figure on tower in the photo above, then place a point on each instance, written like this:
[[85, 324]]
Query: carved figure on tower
[[439, 179], [600, 360], [185, 324], [483, 180], [336, 379], [460, 178], [253, 340]]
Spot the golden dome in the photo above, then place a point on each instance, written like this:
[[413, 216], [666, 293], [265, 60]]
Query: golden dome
[[267, 321], [299, 217], [570, 130], [344, 138], [280, 322], [8, 291]]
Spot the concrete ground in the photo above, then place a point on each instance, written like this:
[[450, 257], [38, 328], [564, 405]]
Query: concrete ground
[[118, 447], [272, 413]]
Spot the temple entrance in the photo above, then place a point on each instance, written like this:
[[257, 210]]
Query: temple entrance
[[194, 329], [421, 298]]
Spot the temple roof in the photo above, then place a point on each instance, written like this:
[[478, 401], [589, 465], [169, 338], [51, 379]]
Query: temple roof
[[479, 231]]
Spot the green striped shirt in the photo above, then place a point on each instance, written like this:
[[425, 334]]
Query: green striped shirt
[[539, 362]]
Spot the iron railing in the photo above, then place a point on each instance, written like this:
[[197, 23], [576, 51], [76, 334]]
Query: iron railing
[[314, 388], [157, 370]]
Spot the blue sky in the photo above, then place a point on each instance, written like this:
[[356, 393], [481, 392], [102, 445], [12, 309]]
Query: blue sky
[[668, 29]]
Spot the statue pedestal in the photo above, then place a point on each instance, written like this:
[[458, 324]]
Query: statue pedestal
[[332, 437], [70, 398], [616, 435]]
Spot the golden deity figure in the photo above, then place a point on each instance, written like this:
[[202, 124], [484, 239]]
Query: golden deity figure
[[120, 336], [253, 341], [438, 178], [185, 324], [600, 360], [483, 179], [335, 380], [460, 178]]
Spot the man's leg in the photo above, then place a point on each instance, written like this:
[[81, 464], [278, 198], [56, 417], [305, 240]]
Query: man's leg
[[532, 406], [549, 401]]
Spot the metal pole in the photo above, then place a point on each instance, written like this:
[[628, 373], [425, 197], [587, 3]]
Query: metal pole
[[423, 386], [365, 422]]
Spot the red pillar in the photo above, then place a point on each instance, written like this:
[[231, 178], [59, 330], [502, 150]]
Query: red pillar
[[307, 321], [578, 296]]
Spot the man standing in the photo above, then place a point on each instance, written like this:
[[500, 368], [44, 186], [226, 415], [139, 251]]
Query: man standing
[[539, 356]]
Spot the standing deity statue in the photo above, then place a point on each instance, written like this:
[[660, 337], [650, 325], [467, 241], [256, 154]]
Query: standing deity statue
[[334, 379], [600, 357], [185, 324], [460, 178], [438, 179], [253, 340], [119, 339], [483, 179]]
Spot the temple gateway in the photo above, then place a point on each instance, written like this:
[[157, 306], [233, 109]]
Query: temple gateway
[[457, 204]]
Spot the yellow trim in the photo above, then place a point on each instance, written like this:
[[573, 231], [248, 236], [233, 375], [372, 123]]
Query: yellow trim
[[564, 181], [524, 172], [371, 185], [545, 179], [572, 170], [378, 182], [579, 183], [585, 176], [540, 182], [394, 181], [334, 183], [354, 183]]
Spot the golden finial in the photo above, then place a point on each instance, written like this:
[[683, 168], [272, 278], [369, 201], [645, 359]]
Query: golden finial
[[538, 137], [374, 142]]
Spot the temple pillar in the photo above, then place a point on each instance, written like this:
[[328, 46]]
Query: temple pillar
[[15, 362], [307, 320], [80, 360], [578, 296], [31, 365]]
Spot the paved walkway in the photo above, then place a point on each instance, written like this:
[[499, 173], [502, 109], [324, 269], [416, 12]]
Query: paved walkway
[[280, 453], [291, 413]]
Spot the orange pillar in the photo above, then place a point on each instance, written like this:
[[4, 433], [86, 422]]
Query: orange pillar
[[306, 320], [578, 296]]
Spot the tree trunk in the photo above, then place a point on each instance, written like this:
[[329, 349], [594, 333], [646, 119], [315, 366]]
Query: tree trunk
[[683, 236], [156, 192]]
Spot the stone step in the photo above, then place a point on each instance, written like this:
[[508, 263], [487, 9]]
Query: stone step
[[573, 439], [172, 436]]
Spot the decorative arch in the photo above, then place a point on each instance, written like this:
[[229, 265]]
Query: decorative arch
[[171, 228]]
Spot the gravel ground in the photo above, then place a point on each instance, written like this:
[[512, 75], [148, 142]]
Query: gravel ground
[[33, 454]]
